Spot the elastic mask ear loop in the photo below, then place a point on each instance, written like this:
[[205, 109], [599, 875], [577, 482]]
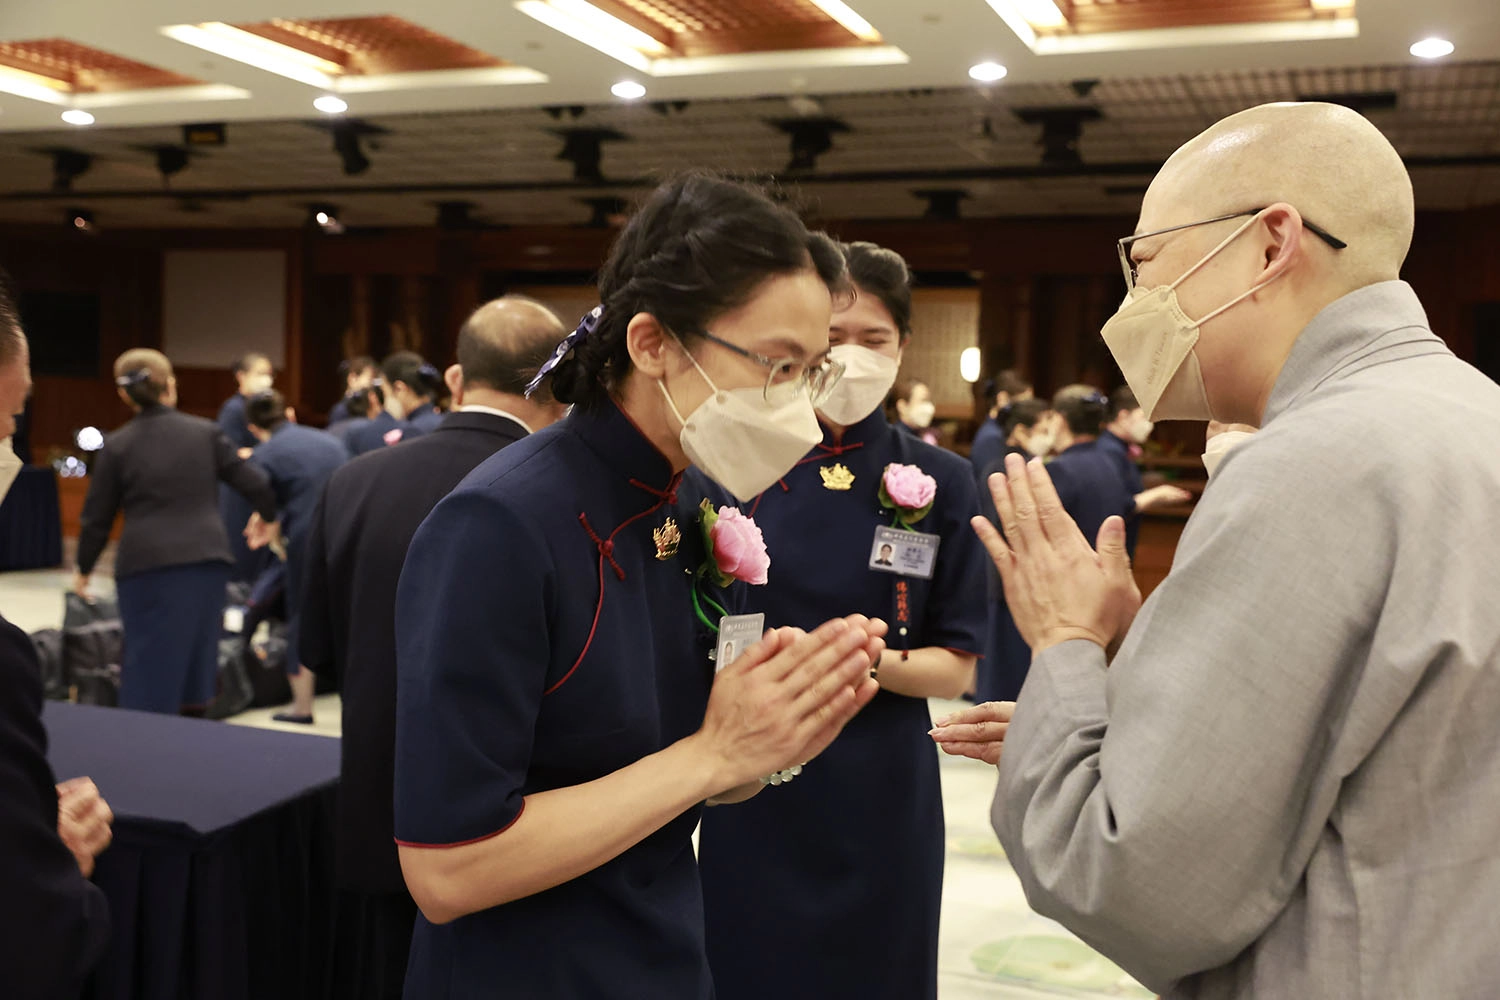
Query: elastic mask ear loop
[[663, 386], [1210, 256]]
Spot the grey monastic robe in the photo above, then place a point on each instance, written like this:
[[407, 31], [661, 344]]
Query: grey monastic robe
[[1287, 785]]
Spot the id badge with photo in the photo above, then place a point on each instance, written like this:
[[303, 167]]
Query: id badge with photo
[[904, 553], [737, 633]]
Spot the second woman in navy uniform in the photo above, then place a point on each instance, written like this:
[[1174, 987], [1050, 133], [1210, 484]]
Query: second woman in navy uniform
[[559, 722], [832, 887]]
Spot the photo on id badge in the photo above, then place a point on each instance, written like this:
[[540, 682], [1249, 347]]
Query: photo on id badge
[[905, 553]]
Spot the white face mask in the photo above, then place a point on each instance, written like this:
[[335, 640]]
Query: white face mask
[[1041, 443], [257, 383], [920, 415], [1140, 430], [10, 466], [1153, 342], [1220, 445], [867, 380], [743, 441]]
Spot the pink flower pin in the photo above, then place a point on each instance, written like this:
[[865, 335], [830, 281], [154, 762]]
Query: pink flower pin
[[737, 545], [907, 490]]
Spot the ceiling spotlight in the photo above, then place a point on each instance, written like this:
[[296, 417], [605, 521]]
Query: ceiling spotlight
[[583, 147], [326, 218], [346, 144], [1062, 128], [810, 138], [77, 116], [987, 72], [330, 105], [170, 160], [80, 220], [942, 203], [67, 166], [628, 90], [456, 215], [1427, 48]]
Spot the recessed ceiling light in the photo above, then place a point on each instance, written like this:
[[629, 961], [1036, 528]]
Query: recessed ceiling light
[[628, 90], [330, 105], [987, 72], [1432, 48], [77, 116]]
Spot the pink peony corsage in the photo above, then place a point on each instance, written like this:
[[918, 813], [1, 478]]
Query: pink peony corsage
[[908, 491], [737, 549]]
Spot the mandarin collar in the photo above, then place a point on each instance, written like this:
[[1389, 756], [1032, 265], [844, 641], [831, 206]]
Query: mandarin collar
[[622, 446]]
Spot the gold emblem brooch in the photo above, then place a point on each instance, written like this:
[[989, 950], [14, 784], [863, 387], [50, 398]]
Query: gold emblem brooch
[[667, 539], [836, 476]]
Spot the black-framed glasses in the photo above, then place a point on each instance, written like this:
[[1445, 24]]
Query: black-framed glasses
[[1128, 265], [818, 379]]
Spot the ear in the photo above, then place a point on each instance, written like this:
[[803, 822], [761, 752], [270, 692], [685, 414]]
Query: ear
[[1283, 249], [454, 379], [652, 349]]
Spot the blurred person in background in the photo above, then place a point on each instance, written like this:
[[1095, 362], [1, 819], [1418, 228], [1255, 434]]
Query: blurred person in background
[[359, 373], [912, 404], [298, 461], [355, 549], [992, 437], [1126, 433], [252, 374], [162, 469], [57, 922], [1087, 477], [411, 387], [362, 406]]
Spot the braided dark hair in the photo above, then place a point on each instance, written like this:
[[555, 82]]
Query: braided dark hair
[[1084, 407], [699, 247]]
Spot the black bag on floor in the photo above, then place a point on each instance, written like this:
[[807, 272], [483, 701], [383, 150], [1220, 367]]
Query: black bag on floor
[[91, 645], [233, 693], [49, 653], [267, 669]]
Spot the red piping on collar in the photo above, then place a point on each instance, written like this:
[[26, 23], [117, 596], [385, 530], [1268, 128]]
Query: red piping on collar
[[606, 547]]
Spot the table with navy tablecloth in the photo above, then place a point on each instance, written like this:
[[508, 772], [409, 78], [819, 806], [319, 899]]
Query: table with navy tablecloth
[[220, 878]]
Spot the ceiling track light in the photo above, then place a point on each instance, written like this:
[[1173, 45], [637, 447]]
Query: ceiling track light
[[67, 166], [584, 148], [80, 220], [1062, 128], [607, 212], [942, 203], [324, 218], [808, 138], [456, 215]]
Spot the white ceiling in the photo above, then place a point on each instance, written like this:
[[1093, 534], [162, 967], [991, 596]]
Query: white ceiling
[[914, 119]]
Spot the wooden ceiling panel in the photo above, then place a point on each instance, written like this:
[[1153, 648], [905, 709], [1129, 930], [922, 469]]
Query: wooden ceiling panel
[[1096, 16], [693, 28], [71, 68], [369, 46]]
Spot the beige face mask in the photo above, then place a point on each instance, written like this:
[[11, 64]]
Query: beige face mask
[[1152, 340]]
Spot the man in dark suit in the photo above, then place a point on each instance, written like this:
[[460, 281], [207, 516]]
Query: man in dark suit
[[299, 462], [355, 550], [56, 921]]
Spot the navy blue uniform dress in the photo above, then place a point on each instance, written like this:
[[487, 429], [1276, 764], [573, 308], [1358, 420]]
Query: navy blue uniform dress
[[1089, 484], [371, 434], [1007, 658], [1119, 449], [424, 419], [299, 462], [988, 448], [541, 643], [234, 511], [830, 886]]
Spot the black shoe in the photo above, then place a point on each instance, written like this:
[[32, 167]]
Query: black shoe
[[301, 720]]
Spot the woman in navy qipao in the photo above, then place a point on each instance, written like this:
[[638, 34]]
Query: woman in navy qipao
[[832, 887], [559, 723]]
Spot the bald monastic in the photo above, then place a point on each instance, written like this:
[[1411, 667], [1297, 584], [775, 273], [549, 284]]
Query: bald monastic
[[1285, 785]]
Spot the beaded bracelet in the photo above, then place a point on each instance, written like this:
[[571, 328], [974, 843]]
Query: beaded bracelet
[[782, 777]]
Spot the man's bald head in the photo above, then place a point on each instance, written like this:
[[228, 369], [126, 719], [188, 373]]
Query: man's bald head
[[1328, 162], [503, 344]]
